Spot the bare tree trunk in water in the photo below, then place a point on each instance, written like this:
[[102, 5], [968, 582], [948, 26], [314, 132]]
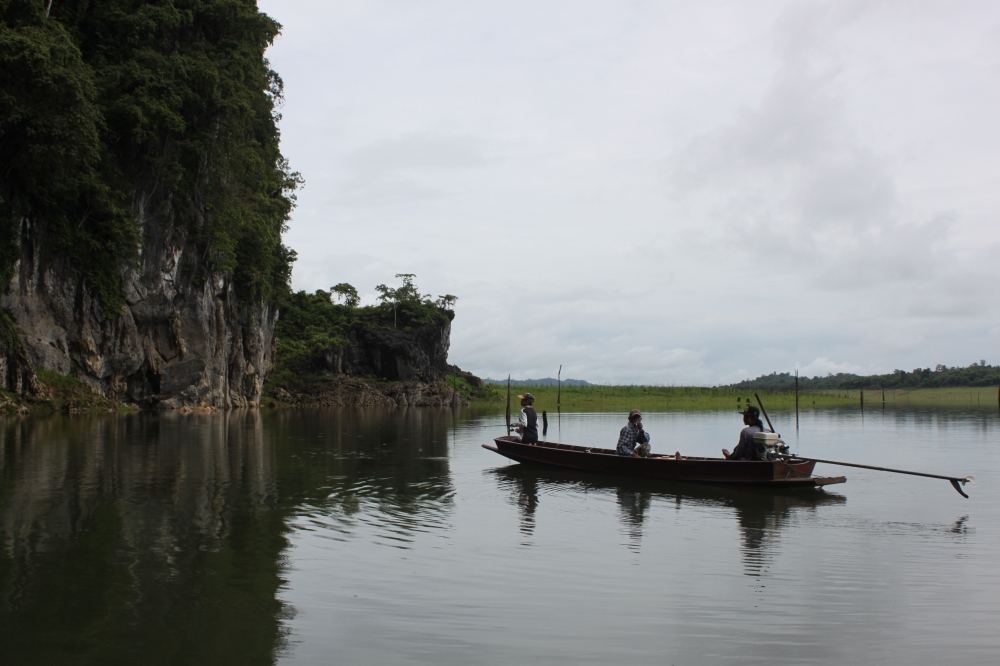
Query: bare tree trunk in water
[[48, 9]]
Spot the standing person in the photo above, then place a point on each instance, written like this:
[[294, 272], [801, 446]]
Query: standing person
[[745, 449], [632, 434], [527, 423]]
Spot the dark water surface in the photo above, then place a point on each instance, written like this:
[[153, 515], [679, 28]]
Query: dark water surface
[[363, 537]]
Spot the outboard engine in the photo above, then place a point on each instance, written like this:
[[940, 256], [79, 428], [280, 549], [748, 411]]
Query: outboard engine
[[769, 445]]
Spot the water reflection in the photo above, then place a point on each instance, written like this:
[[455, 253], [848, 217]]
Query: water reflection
[[960, 527], [385, 473], [759, 513], [634, 503], [524, 489], [164, 535], [144, 535]]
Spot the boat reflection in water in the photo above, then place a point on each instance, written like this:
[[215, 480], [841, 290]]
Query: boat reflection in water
[[759, 512]]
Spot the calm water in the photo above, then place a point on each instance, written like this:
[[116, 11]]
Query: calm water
[[393, 538]]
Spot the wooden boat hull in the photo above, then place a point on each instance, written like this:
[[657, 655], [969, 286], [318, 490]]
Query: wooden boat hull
[[775, 473]]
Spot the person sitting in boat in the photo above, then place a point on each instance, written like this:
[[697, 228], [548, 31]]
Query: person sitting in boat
[[633, 440], [527, 424], [745, 448]]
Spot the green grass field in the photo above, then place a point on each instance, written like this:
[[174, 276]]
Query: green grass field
[[669, 398]]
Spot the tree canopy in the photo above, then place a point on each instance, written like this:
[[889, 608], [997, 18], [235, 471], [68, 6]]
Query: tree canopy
[[166, 108]]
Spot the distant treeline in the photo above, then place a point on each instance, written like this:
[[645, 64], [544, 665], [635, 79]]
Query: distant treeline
[[976, 374]]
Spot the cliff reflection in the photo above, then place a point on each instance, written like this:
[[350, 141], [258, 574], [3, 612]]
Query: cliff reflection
[[161, 538], [149, 535], [760, 513]]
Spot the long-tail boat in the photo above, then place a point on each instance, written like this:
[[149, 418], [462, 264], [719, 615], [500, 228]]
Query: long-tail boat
[[781, 472]]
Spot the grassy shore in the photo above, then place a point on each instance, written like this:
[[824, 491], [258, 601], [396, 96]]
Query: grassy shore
[[670, 398]]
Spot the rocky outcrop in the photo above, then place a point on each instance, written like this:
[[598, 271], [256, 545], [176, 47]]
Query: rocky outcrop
[[182, 338], [417, 353], [384, 366], [346, 391]]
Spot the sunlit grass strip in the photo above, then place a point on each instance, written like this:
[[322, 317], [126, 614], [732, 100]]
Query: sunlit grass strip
[[670, 398], [957, 396], [665, 398]]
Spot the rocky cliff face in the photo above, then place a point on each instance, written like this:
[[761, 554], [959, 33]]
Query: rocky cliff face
[[181, 339], [413, 354]]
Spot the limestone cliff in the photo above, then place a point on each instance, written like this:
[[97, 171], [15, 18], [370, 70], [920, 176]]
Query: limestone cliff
[[179, 340], [143, 198]]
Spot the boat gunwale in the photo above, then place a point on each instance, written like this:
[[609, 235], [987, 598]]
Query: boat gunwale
[[592, 450], [521, 452]]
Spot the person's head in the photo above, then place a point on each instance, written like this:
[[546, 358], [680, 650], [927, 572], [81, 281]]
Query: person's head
[[526, 399], [751, 415], [635, 416]]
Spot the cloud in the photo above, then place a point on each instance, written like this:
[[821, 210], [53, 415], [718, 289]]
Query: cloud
[[820, 367]]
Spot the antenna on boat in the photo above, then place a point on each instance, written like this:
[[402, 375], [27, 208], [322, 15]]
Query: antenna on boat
[[764, 411]]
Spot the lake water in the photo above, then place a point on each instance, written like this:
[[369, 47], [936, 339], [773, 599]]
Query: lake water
[[364, 537]]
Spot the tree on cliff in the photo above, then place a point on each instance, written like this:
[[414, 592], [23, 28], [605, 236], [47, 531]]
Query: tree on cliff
[[446, 301], [407, 298], [347, 293]]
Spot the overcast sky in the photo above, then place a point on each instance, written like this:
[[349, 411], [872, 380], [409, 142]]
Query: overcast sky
[[655, 192]]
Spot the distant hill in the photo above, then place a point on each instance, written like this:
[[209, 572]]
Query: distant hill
[[548, 381]]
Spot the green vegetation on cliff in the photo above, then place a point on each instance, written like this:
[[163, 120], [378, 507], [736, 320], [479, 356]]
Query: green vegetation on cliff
[[328, 333], [164, 110]]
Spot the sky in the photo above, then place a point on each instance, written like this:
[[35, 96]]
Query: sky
[[656, 192]]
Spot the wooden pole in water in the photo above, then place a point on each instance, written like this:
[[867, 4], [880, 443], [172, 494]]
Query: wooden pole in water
[[559, 386], [883, 399], [862, 400], [545, 423], [796, 400], [508, 404]]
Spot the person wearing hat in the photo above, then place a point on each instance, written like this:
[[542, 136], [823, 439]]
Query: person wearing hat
[[527, 423], [745, 449], [632, 436]]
